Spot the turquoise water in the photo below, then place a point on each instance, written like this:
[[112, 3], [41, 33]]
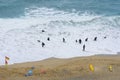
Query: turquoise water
[[16, 8]]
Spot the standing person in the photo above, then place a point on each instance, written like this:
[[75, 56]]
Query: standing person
[[84, 47], [48, 39], [86, 39], [95, 39], [64, 40], [76, 41], [43, 44], [80, 41]]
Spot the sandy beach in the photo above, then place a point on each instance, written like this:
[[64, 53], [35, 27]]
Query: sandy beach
[[65, 69]]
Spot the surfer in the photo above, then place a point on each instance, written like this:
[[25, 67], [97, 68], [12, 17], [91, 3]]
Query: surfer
[[84, 47], [95, 39], [80, 41], [43, 44], [86, 39], [48, 39], [76, 41], [43, 30], [64, 40]]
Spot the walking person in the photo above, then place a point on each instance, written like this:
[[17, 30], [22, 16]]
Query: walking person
[[64, 40], [84, 47]]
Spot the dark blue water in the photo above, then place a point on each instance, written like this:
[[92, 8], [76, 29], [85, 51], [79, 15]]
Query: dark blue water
[[16, 8]]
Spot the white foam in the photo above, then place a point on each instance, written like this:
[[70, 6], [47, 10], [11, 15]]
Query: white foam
[[19, 35]]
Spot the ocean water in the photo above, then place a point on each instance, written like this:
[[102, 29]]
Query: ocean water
[[22, 22]]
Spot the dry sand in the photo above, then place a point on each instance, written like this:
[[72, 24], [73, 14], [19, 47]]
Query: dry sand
[[65, 69]]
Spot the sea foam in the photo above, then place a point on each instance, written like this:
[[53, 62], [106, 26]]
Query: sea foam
[[18, 36]]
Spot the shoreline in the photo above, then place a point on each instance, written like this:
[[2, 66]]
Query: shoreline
[[117, 54]]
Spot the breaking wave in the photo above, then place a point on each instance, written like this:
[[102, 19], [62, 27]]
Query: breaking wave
[[18, 36]]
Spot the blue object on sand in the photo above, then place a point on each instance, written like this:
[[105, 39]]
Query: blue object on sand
[[30, 73]]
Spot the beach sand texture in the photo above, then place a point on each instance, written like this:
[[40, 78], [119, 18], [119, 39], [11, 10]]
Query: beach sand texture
[[65, 69]]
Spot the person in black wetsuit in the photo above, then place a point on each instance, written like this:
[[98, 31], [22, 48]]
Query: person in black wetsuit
[[80, 41], [48, 39], [84, 47], [43, 30], [86, 39], [64, 40], [43, 44], [95, 39], [76, 41]]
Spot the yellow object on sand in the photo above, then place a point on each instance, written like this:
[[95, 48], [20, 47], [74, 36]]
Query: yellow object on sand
[[91, 67], [110, 68]]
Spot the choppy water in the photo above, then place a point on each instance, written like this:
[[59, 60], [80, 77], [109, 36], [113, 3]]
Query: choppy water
[[21, 22], [16, 8]]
